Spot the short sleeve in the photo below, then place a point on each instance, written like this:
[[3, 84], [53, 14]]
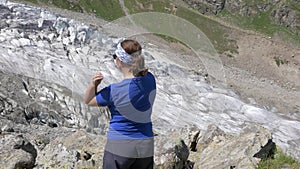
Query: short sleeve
[[103, 97]]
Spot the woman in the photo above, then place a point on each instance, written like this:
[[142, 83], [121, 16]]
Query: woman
[[130, 143]]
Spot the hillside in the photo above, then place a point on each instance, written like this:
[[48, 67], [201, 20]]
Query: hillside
[[256, 98], [259, 50]]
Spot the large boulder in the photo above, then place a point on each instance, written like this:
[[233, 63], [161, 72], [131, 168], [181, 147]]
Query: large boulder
[[217, 149], [77, 150], [16, 152], [171, 151], [189, 147]]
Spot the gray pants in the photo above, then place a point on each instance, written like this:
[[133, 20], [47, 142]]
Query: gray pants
[[112, 161], [134, 148]]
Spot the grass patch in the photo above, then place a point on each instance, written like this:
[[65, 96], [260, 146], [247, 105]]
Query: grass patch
[[32, 1], [261, 23], [212, 29], [280, 161], [136, 6], [108, 10], [279, 61]]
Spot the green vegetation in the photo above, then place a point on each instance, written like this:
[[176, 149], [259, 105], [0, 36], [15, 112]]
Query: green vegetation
[[108, 10], [261, 23], [280, 61], [212, 29], [136, 6], [280, 161], [294, 5]]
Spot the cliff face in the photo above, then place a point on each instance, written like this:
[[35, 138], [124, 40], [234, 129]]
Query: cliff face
[[47, 62], [285, 13]]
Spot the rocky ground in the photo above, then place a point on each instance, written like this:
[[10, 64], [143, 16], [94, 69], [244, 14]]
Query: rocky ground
[[254, 72]]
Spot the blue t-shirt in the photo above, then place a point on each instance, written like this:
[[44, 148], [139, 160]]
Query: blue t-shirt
[[130, 103]]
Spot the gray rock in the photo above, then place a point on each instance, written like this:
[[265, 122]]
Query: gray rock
[[288, 17], [7, 128], [207, 6], [4, 12], [206, 137], [16, 152], [85, 152], [217, 149], [175, 157], [249, 8], [282, 14], [3, 2]]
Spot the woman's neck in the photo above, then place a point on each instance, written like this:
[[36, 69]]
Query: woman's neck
[[127, 74]]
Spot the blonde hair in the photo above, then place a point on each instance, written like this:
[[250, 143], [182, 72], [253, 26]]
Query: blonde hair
[[137, 66]]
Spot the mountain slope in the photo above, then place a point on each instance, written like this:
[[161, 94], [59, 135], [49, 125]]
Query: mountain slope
[[58, 51]]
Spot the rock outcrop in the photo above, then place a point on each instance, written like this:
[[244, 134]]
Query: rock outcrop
[[214, 148], [16, 152], [288, 16], [217, 149], [283, 13], [244, 8], [77, 150], [249, 8], [207, 6]]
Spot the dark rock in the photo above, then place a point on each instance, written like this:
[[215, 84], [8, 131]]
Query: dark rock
[[175, 157], [27, 27], [29, 148], [181, 150], [31, 112], [3, 25], [189, 165], [267, 151], [52, 124], [288, 17], [47, 24], [285, 14], [87, 155], [207, 6], [17, 152], [8, 128], [4, 12], [194, 135]]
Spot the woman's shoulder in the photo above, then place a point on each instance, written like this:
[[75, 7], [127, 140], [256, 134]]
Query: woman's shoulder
[[150, 76]]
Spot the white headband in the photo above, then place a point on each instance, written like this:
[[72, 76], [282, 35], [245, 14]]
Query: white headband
[[123, 55]]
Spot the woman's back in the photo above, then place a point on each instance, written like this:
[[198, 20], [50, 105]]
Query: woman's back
[[130, 103]]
